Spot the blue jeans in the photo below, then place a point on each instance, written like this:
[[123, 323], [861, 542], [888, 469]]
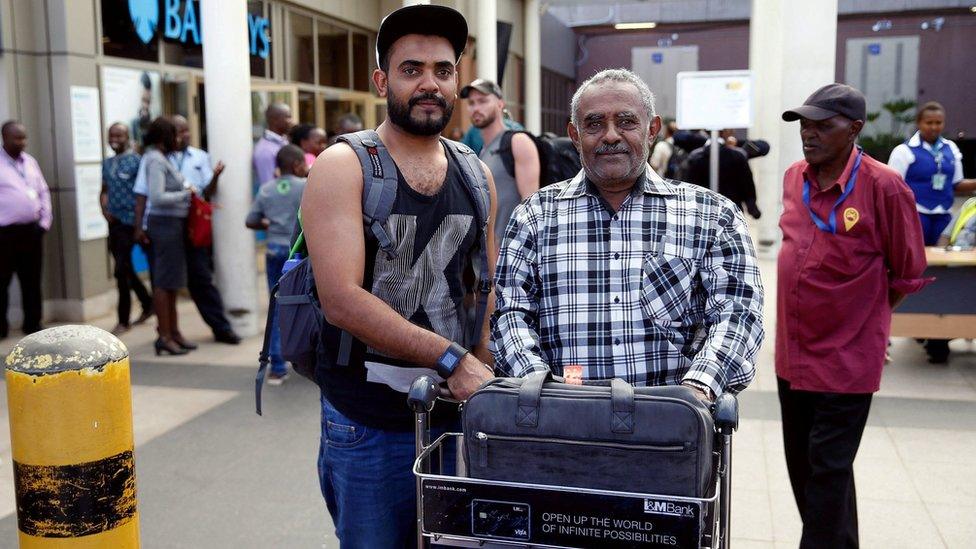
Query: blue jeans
[[274, 260], [367, 480]]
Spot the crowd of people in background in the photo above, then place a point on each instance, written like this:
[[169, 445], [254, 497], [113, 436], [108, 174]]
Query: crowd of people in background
[[662, 301]]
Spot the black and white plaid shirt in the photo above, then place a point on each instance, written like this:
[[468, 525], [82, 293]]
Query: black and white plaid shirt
[[665, 290]]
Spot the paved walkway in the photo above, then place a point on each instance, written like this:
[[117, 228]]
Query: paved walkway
[[213, 474]]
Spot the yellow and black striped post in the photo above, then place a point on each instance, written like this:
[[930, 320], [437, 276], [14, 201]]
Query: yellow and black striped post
[[70, 408]]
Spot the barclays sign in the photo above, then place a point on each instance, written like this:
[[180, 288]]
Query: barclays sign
[[181, 23]]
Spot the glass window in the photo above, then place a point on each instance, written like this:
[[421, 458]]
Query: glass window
[[333, 56], [127, 35], [179, 53], [300, 51], [259, 38], [306, 107], [362, 66]]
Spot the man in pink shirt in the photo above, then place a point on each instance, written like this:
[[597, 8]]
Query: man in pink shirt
[[25, 215], [852, 248]]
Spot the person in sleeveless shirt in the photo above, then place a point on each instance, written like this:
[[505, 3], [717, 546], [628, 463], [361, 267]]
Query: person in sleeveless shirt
[[405, 314], [484, 101]]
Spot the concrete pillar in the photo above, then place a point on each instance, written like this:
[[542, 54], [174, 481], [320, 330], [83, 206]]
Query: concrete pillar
[[533, 67], [791, 53], [228, 81], [487, 53]]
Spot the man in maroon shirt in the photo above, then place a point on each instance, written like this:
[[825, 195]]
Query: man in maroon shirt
[[852, 249]]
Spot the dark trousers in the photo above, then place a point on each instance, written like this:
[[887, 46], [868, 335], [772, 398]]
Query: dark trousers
[[21, 249], [932, 226], [821, 434], [120, 243], [199, 265]]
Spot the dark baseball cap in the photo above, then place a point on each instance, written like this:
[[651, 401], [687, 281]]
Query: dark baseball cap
[[486, 87], [422, 19], [829, 101]]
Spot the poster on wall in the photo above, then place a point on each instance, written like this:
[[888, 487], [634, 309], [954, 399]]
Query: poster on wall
[[88, 186], [86, 133], [131, 96]]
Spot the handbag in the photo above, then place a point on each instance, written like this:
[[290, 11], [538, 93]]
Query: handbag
[[604, 435], [199, 228]]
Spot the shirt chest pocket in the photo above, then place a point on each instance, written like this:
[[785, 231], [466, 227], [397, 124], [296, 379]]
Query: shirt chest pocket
[[666, 285]]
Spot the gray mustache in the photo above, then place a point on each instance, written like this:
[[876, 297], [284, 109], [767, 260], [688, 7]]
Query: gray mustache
[[611, 149]]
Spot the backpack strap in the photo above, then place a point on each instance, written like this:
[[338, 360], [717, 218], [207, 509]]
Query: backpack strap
[[264, 356], [379, 184], [476, 183], [505, 151]]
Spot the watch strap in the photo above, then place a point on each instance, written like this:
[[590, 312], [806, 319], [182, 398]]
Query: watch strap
[[450, 359]]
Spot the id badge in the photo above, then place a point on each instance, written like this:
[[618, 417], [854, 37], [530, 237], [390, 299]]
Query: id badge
[[938, 181]]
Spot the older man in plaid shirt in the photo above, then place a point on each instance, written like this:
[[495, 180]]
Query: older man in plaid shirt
[[619, 273]]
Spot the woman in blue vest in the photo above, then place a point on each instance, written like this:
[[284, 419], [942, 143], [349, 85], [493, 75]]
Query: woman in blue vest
[[932, 167]]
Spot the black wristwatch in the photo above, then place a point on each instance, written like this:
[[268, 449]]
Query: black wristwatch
[[449, 361]]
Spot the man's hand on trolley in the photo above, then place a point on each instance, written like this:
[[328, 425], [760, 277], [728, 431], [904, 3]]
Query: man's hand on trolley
[[704, 395], [468, 376]]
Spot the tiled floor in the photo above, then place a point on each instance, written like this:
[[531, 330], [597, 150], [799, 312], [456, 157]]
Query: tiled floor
[[202, 452], [915, 470]]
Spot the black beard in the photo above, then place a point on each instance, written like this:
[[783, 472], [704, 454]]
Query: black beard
[[399, 114]]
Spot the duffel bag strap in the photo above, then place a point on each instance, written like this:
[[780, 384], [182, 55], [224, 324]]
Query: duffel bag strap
[[621, 402], [528, 399]]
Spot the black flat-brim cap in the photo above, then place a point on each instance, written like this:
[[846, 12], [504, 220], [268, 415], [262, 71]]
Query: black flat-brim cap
[[423, 19], [829, 101]]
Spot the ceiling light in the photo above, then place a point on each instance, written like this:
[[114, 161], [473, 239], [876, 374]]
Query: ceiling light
[[635, 26], [973, 9]]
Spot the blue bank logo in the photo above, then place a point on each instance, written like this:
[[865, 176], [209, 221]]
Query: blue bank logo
[[145, 17]]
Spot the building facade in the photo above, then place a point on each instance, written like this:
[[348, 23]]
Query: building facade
[[71, 68]]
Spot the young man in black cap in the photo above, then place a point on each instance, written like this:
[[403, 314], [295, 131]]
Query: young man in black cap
[[404, 311], [852, 248]]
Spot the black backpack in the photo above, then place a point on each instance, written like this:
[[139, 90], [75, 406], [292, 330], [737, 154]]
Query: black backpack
[[300, 318], [558, 159]]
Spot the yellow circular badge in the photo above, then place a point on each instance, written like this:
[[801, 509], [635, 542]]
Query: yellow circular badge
[[851, 217]]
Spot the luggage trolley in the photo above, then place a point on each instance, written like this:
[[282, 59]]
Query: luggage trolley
[[457, 511]]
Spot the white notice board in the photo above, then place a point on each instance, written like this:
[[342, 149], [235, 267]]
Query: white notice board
[[714, 100], [86, 131], [88, 187]]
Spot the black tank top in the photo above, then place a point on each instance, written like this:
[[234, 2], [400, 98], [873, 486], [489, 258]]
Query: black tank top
[[434, 236]]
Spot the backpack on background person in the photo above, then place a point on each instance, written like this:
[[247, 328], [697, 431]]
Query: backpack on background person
[[558, 158]]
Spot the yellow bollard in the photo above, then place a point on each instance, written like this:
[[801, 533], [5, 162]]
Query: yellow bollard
[[70, 407]]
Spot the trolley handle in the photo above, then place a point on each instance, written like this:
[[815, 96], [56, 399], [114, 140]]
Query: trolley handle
[[725, 411], [424, 391]]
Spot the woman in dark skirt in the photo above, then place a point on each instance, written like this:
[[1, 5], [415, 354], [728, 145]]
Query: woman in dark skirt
[[169, 196]]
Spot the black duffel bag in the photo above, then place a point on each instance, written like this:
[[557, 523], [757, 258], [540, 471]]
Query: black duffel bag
[[603, 435]]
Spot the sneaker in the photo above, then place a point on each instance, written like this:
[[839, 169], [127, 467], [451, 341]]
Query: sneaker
[[277, 379]]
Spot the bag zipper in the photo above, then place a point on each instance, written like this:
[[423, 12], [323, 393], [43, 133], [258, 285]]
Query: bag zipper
[[483, 439]]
